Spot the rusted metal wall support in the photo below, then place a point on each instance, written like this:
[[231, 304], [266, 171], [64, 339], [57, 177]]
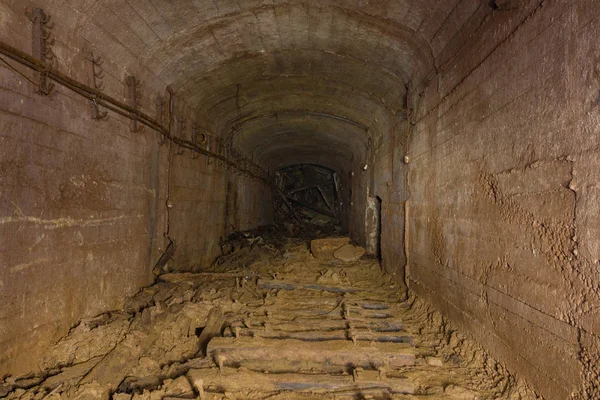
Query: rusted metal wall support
[[159, 109], [119, 107], [96, 74], [40, 35], [134, 92]]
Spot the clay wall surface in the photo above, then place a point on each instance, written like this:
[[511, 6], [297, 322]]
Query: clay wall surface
[[503, 181], [83, 203], [494, 211]]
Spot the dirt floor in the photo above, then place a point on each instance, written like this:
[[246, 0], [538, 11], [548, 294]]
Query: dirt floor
[[269, 320]]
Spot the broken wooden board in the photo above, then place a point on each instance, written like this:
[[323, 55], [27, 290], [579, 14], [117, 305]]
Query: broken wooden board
[[309, 323], [286, 285], [329, 313], [332, 303], [234, 352], [214, 324], [317, 336], [360, 296], [313, 325], [315, 311], [234, 381]]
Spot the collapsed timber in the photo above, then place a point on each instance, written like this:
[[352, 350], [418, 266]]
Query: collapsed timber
[[272, 319]]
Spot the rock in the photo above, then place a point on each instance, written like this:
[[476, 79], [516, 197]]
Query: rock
[[27, 382], [147, 395], [5, 389], [138, 384], [329, 277], [349, 253], [434, 361], [308, 213], [140, 301], [70, 374], [146, 367], [92, 391], [121, 396], [84, 343], [460, 393], [195, 377], [177, 386], [323, 249], [322, 220]]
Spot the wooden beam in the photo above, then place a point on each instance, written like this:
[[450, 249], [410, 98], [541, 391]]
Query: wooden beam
[[285, 285], [233, 381], [235, 352]]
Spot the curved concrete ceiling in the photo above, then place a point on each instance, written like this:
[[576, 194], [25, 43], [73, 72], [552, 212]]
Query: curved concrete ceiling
[[290, 80]]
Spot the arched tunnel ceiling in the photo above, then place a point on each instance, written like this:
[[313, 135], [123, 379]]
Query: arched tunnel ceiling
[[291, 80], [278, 140]]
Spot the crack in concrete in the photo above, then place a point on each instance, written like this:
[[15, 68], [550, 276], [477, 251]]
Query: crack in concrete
[[66, 221]]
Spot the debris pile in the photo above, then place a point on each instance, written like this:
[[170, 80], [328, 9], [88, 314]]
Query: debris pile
[[309, 197], [270, 322]]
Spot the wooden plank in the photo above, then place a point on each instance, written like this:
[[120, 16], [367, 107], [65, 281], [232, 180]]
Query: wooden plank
[[230, 380], [308, 206], [327, 301], [326, 200], [234, 352], [311, 324], [320, 336], [329, 313], [286, 285], [290, 207]]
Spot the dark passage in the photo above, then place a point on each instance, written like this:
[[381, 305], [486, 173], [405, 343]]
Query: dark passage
[[366, 199], [309, 197]]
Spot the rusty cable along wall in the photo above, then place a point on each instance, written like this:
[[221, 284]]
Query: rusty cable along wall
[[123, 109]]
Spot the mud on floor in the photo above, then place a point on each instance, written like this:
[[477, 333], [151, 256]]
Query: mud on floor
[[269, 321]]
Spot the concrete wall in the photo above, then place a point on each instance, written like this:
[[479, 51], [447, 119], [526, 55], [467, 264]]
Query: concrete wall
[[390, 186], [209, 202], [83, 203], [251, 203], [502, 216], [504, 211]]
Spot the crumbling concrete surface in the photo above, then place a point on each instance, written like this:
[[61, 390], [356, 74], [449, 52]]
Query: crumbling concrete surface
[[268, 322]]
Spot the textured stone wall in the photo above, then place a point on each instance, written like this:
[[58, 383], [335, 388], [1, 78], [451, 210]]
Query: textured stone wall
[[499, 196], [251, 204], [503, 180], [83, 203], [390, 187], [78, 214]]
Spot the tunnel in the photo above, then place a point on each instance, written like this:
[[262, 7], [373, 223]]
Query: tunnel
[[384, 199]]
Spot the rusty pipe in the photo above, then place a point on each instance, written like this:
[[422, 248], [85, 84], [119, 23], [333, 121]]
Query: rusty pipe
[[111, 103]]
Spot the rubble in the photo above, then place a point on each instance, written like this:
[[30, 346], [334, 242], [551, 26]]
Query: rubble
[[276, 327], [349, 253], [308, 200], [323, 249]]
